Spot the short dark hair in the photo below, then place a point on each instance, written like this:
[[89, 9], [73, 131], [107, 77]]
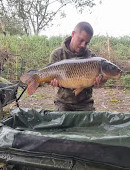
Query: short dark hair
[[84, 26]]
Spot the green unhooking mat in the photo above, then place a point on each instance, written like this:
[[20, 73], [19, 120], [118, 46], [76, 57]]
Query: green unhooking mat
[[38, 139]]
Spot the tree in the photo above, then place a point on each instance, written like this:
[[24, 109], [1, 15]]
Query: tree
[[36, 15], [11, 25]]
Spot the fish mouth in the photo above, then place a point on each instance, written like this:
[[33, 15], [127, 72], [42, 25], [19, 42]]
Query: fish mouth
[[107, 76], [119, 75]]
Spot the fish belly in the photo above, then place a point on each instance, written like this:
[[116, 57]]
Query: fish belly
[[77, 83]]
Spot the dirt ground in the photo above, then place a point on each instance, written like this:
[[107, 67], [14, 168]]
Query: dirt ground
[[106, 99]]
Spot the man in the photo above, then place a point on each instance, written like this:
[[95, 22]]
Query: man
[[72, 47]]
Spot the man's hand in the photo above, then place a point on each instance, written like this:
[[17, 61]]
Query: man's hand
[[100, 80], [55, 83]]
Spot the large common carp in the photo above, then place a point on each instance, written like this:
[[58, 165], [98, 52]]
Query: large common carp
[[72, 73]]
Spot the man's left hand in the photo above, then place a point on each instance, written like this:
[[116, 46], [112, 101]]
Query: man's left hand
[[100, 80]]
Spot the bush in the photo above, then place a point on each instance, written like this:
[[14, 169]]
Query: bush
[[126, 80], [35, 51]]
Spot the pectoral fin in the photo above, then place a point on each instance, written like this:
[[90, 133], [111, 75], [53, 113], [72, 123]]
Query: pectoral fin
[[77, 91]]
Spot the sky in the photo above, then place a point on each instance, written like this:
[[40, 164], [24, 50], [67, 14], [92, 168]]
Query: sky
[[110, 18]]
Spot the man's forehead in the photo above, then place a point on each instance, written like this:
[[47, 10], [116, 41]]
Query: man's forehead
[[84, 35]]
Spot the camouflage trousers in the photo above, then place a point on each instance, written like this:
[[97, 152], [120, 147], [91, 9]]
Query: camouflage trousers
[[86, 106]]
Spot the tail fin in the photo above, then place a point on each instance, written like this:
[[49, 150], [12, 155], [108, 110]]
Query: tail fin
[[32, 80]]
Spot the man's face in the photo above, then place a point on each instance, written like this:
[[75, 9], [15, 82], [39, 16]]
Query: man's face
[[80, 41]]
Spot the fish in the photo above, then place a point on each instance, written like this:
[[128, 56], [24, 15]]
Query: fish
[[73, 73]]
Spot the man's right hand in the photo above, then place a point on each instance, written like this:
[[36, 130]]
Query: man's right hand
[[55, 83]]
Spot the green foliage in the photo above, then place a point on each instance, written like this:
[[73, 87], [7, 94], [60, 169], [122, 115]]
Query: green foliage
[[121, 46], [98, 44], [118, 46], [35, 52], [12, 26], [110, 83], [123, 81], [126, 80]]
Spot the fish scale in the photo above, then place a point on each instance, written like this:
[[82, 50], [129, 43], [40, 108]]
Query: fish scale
[[72, 73]]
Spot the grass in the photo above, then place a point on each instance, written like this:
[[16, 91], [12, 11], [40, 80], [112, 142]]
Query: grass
[[126, 81]]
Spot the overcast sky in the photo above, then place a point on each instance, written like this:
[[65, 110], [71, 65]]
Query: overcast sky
[[110, 18]]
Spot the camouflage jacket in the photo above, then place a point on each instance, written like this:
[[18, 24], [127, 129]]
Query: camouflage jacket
[[65, 95]]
